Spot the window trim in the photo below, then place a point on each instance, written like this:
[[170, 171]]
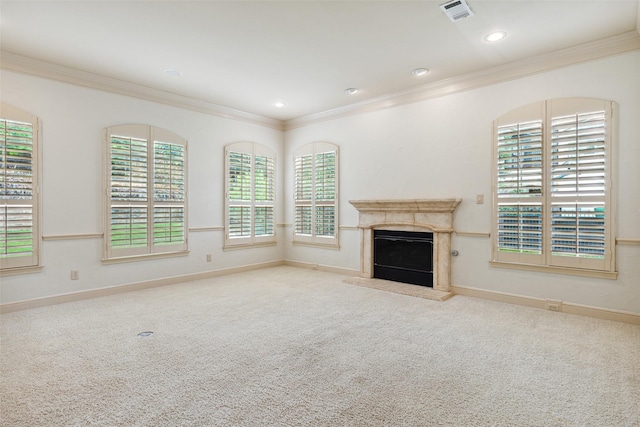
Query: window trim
[[547, 261], [329, 242], [151, 250], [31, 263], [253, 149]]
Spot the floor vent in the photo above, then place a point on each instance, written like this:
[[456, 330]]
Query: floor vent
[[145, 334]]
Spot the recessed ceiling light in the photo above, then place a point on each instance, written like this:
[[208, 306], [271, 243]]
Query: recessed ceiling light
[[419, 72], [352, 91], [173, 73], [279, 104], [495, 36]]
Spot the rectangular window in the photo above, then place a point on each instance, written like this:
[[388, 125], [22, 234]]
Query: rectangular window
[[315, 194], [146, 192], [553, 185], [250, 194], [19, 189]]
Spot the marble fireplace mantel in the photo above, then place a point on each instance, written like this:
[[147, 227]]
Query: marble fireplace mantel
[[430, 215]]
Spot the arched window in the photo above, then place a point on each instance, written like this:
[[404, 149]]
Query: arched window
[[146, 194], [553, 186], [316, 194], [249, 194]]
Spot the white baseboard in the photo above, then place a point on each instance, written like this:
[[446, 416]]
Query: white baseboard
[[564, 307], [560, 306], [112, 290], [320, 267]]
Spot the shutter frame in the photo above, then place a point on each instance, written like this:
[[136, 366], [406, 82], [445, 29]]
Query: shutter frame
[[146, 210], [20, 212], [316, 196], [250, 218], [577, 188]]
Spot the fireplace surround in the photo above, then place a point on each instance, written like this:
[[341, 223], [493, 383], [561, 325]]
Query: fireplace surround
[[431, 215]]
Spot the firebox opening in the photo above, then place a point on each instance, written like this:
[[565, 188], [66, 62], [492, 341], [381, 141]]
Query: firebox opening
[[403, 256]]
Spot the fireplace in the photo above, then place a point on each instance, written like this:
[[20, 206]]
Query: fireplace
[[403, 256], [422, 215]]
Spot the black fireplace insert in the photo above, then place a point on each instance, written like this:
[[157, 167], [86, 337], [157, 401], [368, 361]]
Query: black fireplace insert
[[403, 256]]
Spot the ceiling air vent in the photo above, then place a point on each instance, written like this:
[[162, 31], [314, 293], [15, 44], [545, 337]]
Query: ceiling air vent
[[456, 10]]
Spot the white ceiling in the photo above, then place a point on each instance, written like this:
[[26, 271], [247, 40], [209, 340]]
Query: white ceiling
[[246, 55]]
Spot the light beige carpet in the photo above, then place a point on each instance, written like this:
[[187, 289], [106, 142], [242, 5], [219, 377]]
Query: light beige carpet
[[293, 347]]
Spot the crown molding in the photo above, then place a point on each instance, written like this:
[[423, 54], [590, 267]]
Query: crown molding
[[622, 43], [25, 65]]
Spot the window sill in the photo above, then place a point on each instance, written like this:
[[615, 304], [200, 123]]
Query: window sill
[[612, 275], [136, 258], [334, 246], [228, 247], [15, 271]]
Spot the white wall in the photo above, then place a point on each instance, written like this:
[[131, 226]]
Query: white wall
[[442, 148], [430, 149], [73, 119]]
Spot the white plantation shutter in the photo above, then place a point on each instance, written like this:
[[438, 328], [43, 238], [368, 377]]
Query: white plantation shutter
[[303, 195], [239, 181], [129, 185], [519, 191], [579, 184], [169, 193], [264, 195], [325, 193], [315, 194], [552, 185], [146, 194], [250, 194], [19, 184]]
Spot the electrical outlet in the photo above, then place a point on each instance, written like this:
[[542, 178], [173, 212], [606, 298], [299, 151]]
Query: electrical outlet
[[552, 305], [208, 257], [480, 199], [75, 274]]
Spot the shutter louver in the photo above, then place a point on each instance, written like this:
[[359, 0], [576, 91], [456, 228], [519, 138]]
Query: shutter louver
[[18, 239], [578, 169], [264, 194], [303, 220], [129, 189], [264, 220], [239, 176], [239, 194], [16, 231], [325, 220], [168, 225], [325, 176], [169, 194], [520, 228], [264, 179], [239, 221], [519, 191], [16, 160], [303, 195], [578, 229], [315, 194], [304, 177], [128, 226], [325, 193]]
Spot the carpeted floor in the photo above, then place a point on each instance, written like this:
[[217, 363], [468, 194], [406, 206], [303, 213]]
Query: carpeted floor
[[294, 347]]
